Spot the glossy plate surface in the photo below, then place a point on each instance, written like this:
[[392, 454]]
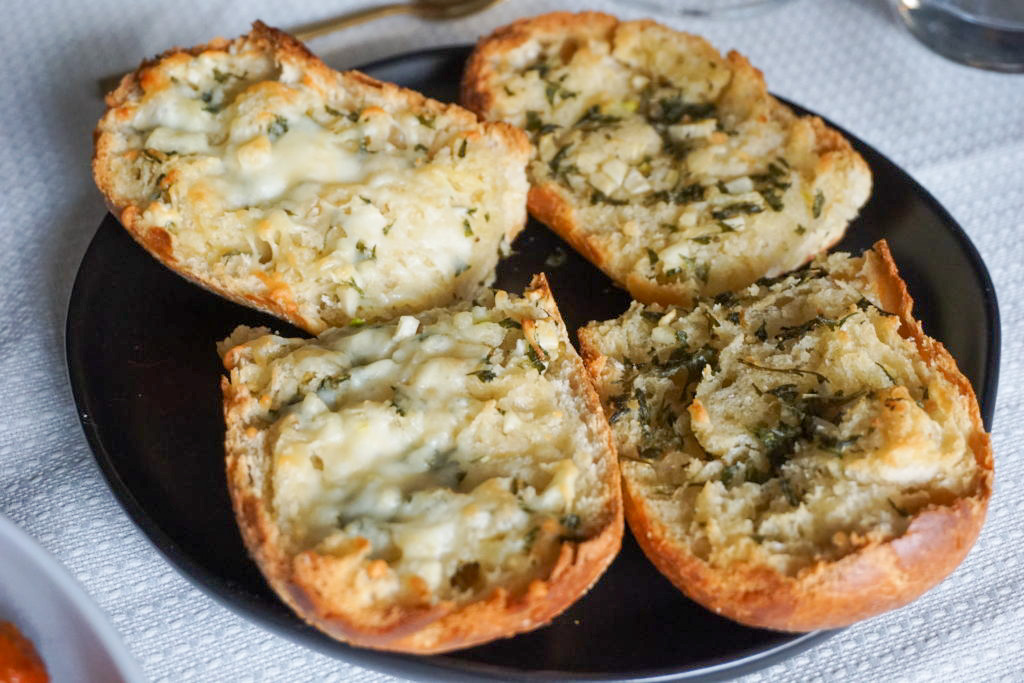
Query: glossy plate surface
[[145, 373]]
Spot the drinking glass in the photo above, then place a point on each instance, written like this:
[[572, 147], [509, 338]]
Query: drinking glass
[[984, 33]]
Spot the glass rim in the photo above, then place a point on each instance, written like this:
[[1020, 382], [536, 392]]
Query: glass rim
[[968, 16]]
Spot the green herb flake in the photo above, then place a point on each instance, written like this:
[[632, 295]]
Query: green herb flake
[[800, 230], [887, 374], [822, 379], [693, 361], [550, 91], [556, 161], [535, 361], [900, 511], [672, 110], [484, 375], [838, 446], [593, 119], [541, 68], [368, 254], [778, 441], [652, 256], [462, 148], [332, 111], [736, 209], [420, 147], [643, 411], [596, 196], [653, 316], [687, 194], [511, 324], [332, 383], [772, 199], [621, 407], [818, 205], [351, 282], [357, 322], [277, 128], [425, 120], [467, 229]]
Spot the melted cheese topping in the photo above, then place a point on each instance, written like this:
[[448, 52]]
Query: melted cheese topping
[[342, 203], [681, 168], [447, 443], [788, 422]]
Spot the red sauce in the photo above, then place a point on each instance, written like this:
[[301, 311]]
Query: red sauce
[[19, 661]]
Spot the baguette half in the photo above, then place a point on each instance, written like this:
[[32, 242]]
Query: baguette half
[[798, 454], [251, 168], [665, 164], [424, 484]]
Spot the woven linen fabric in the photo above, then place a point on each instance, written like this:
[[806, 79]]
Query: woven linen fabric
[[958, 130]]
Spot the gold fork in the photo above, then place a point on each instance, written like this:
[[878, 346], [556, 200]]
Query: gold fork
[[434, 10]]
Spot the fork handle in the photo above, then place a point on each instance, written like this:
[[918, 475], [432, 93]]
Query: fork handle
[[319, 28]]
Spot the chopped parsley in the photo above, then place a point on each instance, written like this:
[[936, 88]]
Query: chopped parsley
[[593, 119], [484, 375], [736, 209], [818, 205], [535, 361], [277, 128]]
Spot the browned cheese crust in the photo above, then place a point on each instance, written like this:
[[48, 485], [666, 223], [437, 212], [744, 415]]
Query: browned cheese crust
[[876, 577], [821, 157], [325, 590], [269, 291]]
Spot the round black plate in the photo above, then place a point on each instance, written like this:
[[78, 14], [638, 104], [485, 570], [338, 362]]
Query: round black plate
[[144, 371]]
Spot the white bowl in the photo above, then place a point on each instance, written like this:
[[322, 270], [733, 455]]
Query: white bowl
[[71, 634]]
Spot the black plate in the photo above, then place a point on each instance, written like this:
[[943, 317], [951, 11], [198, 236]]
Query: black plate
[[140, 346]]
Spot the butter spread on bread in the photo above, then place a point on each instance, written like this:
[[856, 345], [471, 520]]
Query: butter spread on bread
[[427, 483], [321, 197], [667, 165], [796, 454]]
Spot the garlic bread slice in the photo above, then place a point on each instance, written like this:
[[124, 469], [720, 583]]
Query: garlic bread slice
[[797, 454], [667, 165], [251, 168], [428, 483]]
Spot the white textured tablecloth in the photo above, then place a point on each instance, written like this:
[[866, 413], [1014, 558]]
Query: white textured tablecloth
[[957, 130]]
